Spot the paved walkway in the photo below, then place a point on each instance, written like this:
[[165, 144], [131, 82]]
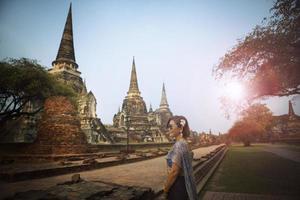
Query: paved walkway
[[285, 153], [204, 150], [149, 173], [242, 196]]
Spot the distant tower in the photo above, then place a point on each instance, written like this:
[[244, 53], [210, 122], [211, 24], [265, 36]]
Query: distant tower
[[66, 70], [164, 113], [66, 53], [291, 110], [164, 102], [65, 65], [133, 106], [133, 102], [133, 87], [150, 108]]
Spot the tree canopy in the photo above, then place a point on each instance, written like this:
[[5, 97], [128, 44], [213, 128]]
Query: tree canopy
[[23, 81], [254, 124], [267, 60]]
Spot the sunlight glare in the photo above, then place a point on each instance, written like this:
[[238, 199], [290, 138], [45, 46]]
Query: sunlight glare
[[234, 91]]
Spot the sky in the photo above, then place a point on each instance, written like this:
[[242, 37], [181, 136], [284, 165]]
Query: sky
[[175, 42]]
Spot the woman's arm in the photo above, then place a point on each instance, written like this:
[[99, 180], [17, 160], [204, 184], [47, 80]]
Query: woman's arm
[[172, 177]]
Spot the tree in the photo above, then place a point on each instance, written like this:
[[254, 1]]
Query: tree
[[254, 124], [23, 81], [267, 60], [259, 113], [245, 131]]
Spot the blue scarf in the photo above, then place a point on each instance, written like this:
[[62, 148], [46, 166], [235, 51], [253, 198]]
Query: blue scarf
[[181, 148]]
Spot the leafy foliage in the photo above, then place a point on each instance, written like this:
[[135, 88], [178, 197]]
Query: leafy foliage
[[23, 81], [254, 124], [267, 60]]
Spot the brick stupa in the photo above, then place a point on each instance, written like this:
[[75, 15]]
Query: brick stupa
[[59, 129]]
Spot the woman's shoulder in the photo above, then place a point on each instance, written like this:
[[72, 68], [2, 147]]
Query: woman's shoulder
[[182, 144]]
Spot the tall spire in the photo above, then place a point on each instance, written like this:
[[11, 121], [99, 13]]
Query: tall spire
[[291, 110], [150, 108], [133, 88], [163, 101], [66, 53]]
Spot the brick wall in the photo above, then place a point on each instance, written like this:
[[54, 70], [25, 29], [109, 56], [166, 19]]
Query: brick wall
[[59, 129]]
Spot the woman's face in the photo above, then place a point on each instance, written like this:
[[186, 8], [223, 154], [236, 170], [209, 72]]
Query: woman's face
[[174, 130]]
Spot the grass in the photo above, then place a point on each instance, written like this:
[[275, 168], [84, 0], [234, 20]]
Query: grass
[[252, 170]]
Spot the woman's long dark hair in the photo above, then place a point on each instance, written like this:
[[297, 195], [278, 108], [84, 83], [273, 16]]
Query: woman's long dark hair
[[186, 128]]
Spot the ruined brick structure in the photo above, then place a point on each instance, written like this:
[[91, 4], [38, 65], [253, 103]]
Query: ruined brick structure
[[59, 129], [66, 70]]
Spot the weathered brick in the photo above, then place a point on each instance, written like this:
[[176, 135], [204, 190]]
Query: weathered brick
[[59, 130]]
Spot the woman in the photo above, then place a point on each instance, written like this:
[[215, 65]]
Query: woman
[[180, 183]]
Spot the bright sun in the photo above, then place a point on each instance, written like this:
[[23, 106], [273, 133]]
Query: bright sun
[[234, 91]]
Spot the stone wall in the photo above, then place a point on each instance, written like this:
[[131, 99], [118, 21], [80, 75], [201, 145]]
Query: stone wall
[[118, 147], [20, 148]]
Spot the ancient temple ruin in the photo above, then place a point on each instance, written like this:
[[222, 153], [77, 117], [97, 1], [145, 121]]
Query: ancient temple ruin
[[163, 113], [286, 126], [143, 126], [66, 69]]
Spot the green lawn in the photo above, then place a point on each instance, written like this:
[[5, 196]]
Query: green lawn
[[251, 170]]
